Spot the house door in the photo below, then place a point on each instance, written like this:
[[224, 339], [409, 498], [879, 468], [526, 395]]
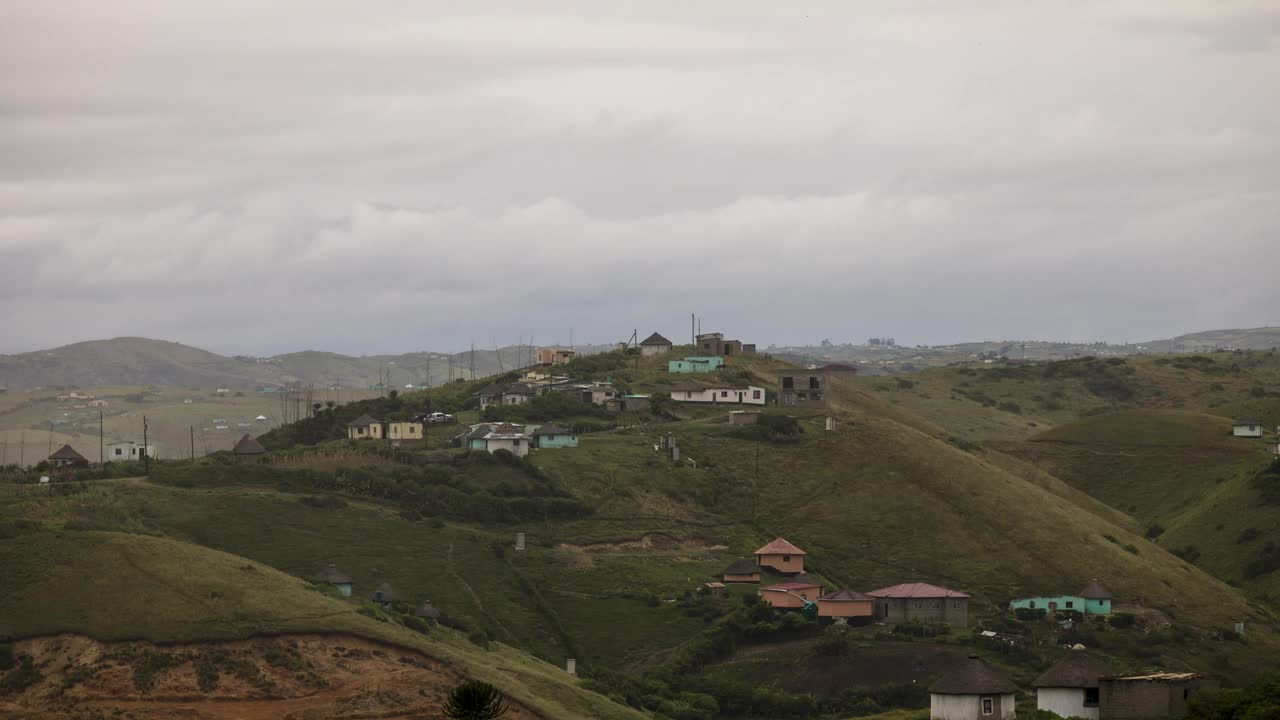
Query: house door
[[1053, 608], [739, 398]]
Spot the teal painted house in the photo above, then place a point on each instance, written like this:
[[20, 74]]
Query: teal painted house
[[1093, 600], [336, 578], [552, 435], [695, 364]]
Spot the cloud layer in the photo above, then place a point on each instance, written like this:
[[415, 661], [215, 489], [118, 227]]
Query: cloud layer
[[392, 176]]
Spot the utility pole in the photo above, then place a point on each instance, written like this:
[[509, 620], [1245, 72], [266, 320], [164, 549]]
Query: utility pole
[[146, 453], [471, 362], [50, 451], [193, 444], [101, 458], [22, 449], [693, 332]]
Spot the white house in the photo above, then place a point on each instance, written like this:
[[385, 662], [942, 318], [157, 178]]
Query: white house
[[973, 691], [692, 391], [1247, 427], [1070, 687], [655, 344], [517, 394], [127, 450]]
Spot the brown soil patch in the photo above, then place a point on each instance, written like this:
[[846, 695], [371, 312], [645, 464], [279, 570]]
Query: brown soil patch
[[298, 677]]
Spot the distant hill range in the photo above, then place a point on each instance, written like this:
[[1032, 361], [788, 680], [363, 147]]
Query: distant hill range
[[141, 361]]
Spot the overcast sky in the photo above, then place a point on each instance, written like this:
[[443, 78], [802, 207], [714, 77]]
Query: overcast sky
[[369, 176]]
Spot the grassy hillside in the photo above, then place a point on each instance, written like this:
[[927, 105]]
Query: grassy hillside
[[159, 589]]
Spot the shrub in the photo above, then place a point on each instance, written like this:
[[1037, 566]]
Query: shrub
[[20, 678], [1257, 391], [1010, 407], [905, 384], [479, 637], [835, 641], [1265, 560], [7, 659], [1154, 530], [1248, 535], [1122, 620], [1030, 614]]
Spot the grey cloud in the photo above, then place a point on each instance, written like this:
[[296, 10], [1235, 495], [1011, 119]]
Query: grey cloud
[[395, 176]]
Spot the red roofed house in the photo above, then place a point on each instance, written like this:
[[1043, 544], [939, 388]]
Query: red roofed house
[[781, 556], [921, 602], [791, 594], [845, 605]]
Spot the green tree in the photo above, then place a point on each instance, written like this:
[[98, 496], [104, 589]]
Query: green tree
[[474, 700]]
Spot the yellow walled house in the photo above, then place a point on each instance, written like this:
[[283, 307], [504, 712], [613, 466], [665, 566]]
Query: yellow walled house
[[791, 595], [781, 556], [404, 430], [365, 428], [847, 606]]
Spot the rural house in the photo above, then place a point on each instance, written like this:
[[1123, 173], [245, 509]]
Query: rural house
[[694, 364], [364, 428], [1247, 427], [385, 594], [742, 570], [794, 594], [692, 391], [552, 435], [653, 345], [517, 394], [715, 344], [553, 356], [490, 437], [809, 387], [336, 578], [247, 446], [973, 691], [1155, 695], [1093, 600], [781, 557], [66, 456], [921, 602], [428, 612], [127, 450], [1070, 687], [845, 606], [404, 430], [490, 395]]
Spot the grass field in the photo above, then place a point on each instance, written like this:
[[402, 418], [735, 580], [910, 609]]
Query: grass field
[[160, 589]]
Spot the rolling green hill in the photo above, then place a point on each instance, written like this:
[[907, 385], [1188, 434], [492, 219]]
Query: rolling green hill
[[916, 483], [158, 589]]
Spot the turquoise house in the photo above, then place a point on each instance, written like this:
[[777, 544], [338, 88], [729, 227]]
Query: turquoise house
[[1093, 600], [552, 435], [696, 364]]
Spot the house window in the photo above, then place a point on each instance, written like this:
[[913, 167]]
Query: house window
[[755, 394], [1091, 697], [119, 451], [988, 706], [788, 383], [813, 382], [935, 604], [1069, 603], [955, 604], [724, 393], [918, 604], [1032, 605], [786, 558]]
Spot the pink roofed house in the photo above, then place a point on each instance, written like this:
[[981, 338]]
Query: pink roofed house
[[781, 556]]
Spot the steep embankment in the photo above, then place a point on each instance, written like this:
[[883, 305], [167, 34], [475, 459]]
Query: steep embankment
[[164, 591]]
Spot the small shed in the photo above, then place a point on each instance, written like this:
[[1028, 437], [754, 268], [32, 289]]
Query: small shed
[[336, 578], [655, 344], [742, 570], [66, 456], [1154, 695], [846, 606], [428, 612], [552, 435], [1247, 427], [248, 446], [364, 428], [973, 691], [385, 594], [1070, 687]]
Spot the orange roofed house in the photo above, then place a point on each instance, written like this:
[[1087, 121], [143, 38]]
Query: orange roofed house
[[794, 594], [781, 556], [921, 602], [845, 605]]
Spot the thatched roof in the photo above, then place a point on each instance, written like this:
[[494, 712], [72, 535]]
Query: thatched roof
[[363, 421], [1095, 591], [248, 446], [1078, 669], [66, 452], [974, 677], [655, 339], [386, 592], [333, 575]]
